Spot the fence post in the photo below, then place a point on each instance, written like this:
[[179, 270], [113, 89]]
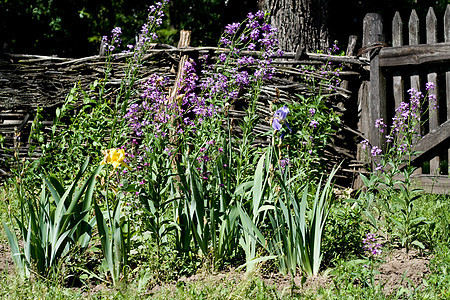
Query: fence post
[[433, 110], [397, 41], [373, 34], [447, 73]]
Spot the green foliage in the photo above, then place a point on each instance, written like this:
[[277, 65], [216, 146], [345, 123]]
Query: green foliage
[[393, 169], [255, 194], [313, 124], [298, 229], [436, 210], [51, 226], [186, 191], [74, 28], [73, 136], [436, 285], [115, 239], [208, 211], [405, 219], [343, 233]]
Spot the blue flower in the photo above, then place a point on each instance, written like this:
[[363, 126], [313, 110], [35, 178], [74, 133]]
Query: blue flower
[[279, 119]]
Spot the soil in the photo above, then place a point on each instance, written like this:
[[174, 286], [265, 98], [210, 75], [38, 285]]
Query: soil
[[6, 262], [401, 269], [398, 269]]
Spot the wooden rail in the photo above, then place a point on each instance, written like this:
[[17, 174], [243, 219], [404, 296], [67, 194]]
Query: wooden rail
[[394, 70]]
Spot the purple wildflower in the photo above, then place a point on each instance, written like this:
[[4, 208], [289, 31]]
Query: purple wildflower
[[313, 123], [370, 245], [376, 151], [231, 29]]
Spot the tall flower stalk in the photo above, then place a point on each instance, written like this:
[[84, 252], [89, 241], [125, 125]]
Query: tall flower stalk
[[393, 166]]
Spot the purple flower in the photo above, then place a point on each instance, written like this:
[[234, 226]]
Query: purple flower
[[313, 123], [430, 86], [225, 41], [279, 119], [259, 14], [312, 111], [365, 144], [251, 46], [254, 34], [379, 167], [376, 151], [222, 57], [380, 124], [370, 245], [232, 28]]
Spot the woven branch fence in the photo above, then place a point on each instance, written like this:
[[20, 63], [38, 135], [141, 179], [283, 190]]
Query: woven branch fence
[[29, 82]]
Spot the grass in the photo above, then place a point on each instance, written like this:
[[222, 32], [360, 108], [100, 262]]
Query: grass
[[230, 287], [345, 279]]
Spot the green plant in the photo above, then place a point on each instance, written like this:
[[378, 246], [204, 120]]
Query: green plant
[[254, 195], [313, 123], [298, 229], [435, 285], [113, 228], [51, 226], [394, 167], [208, 209], [407, 223], [342, 233], [436, 209]]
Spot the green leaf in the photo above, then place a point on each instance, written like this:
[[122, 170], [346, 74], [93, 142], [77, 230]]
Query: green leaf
[[15, 252], [418, 244]]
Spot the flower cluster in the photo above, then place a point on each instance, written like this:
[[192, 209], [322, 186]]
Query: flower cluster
[[113, 42], [404, 128], [251, 35], [154, 111], [370, 245]]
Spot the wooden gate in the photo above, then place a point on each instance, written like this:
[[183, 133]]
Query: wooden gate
[[408, 63]]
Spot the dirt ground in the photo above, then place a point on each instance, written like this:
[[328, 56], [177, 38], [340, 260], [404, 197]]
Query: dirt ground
[[6, 262], [398, 269]]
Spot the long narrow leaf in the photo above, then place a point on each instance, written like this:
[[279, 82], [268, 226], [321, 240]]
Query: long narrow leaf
[[15, 252]]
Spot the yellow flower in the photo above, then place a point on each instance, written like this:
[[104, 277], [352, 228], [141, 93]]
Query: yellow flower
[[114, 157]]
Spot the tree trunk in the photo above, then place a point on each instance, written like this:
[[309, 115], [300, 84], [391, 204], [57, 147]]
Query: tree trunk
[[300, 23]]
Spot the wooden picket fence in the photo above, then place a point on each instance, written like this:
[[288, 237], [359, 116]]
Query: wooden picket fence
[[413, 60]]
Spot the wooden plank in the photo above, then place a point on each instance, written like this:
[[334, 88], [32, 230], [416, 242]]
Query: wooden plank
[[351, 45], [415, 55], [373, 28], [447, 73], [372, 33], [397, 30], [377, 105], [431, 140], [431, 28], [413, 28], [438, 184], [397, 41], [349, 52], [414, 38]]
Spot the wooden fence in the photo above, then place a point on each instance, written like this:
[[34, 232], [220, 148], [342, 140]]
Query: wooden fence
[[412, 60], [28, 82]]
